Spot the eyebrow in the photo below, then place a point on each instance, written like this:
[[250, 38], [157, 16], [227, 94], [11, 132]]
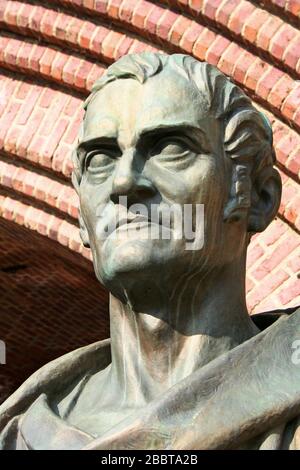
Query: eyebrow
[[163, 129], [182, 126]]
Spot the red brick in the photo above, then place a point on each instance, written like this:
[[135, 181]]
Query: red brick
[[11, 11], [281, 251], [294, 263], [289, 191], [210, 8], [141, 12], [53, 192], [85, 35], [179, 28], [94, 75], [270, 283], [72, 106], [24, 53], [291, 103], [35, 18], [20, 213], [3, 43], [224, 12], [293, 162], [70, 70], [267, 32], [24, 16], [190, 41], [28, 105], [242, 65], [11, 138], [55, 137], [229, 59], [29, 182], [291, 211], [35, 148], [97, 39], [58, 64], [239, 16], [72, 30], [41, 187], [255, 252], [291, 54], [110, 43], [7, 207], [216, 49], [31, 217], [165, 24], [290, 291], [46, 61], [82, 74], [296, 118], [29, 131], [281, 40], [7, 119], [35, 57], [47, 22], [152, 19], [123, 47], [59, 101], [89, 4], [113, 8], [42, 223], [47, 97], [126, 10], [280, 91], [60, 26], [253, 24], [3, 6], [293, 7], [100, 6], [203, 43], [254, 74], [273, 233], [11, 51], [267, 81], [53, 227]]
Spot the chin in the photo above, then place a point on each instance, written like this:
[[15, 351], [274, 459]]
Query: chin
[[129, 258]]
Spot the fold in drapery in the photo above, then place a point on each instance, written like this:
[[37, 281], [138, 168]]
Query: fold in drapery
[[248, 397]]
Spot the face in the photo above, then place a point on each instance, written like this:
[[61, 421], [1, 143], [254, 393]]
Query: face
[[153, 145]]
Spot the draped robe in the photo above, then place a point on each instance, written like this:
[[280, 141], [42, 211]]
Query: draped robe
[[247, 398]]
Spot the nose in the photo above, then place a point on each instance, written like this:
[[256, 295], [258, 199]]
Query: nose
[[130, 182]]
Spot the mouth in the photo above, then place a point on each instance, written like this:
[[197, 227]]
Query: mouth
[[134, 222]]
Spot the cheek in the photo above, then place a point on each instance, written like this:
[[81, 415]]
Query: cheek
[[92, 198]]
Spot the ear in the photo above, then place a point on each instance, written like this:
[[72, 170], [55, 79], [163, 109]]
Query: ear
[[83, 232], [265, 199]]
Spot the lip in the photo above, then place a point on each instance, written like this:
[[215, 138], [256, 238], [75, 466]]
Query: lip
[[133, 223]]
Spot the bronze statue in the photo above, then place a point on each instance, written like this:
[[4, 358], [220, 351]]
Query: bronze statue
[[186, 367]]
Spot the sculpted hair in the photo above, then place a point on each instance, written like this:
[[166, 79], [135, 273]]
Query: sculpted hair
[[247, 131]]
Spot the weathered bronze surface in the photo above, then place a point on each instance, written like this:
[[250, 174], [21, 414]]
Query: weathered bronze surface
[[186, 367]]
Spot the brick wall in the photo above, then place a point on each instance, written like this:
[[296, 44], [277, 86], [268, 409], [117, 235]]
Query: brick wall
[[49, 59]]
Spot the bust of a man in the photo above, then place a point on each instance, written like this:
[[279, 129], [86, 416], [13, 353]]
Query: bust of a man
[[186, 367]]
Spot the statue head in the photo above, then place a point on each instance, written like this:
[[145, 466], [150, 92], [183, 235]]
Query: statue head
[[167, 131]]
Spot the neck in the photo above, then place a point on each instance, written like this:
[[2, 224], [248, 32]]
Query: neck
[[160, 338]]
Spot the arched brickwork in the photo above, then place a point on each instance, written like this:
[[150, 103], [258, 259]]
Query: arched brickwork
[[49, 59]]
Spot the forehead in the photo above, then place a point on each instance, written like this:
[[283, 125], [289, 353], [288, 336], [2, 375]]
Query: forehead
[[126, 104]]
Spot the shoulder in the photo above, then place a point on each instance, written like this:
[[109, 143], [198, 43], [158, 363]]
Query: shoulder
[[54, 377]]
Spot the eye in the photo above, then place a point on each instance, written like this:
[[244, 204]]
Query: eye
[[170, 147], [98, 160]]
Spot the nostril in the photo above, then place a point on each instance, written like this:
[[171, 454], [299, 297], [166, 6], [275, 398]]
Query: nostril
[[136, 188]]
